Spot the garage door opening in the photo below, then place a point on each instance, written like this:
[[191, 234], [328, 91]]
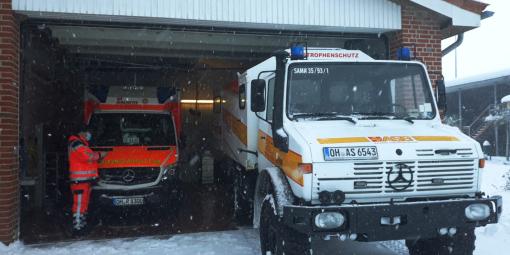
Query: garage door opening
[[61, 62]]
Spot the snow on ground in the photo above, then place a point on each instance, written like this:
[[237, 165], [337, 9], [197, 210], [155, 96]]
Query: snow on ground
[[242, 242], [493, 239]]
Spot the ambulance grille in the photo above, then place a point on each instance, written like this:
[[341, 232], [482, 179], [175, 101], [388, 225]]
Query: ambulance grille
[[129, 176], [428, 175]]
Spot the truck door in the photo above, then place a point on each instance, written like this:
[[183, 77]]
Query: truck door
[[265, 141]]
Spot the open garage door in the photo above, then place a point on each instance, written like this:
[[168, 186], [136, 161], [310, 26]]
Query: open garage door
[[62, 61]]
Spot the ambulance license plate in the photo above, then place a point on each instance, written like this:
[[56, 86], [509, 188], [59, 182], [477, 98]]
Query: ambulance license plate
[[350, 153], [128, 201]]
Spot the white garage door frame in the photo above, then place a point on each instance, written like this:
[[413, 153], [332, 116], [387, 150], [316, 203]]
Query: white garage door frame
[[347, 16]]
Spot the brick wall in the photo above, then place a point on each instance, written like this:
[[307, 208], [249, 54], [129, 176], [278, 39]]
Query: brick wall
[[9, 119], [420, 32]]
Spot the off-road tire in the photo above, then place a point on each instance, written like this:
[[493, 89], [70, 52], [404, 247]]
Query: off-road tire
[[277, 238], [462, 243]]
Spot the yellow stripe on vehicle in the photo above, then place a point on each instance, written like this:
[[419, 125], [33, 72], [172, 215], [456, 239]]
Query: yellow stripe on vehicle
[[288, 162], [435, 138], [387, 139], [237, 126], [343, 140]]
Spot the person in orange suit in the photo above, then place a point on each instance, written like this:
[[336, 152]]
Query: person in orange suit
[[83, 172]]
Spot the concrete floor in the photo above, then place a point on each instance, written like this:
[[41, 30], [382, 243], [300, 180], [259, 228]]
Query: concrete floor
[[203, 208]]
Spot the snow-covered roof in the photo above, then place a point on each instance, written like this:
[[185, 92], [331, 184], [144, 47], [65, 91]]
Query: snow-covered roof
[[477, 81], [505, 99]]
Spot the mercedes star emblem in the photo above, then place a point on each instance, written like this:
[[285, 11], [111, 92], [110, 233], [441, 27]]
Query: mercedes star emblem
[[403, 176], [128, 175]]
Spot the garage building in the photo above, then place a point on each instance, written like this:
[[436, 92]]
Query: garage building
[[52, 49]]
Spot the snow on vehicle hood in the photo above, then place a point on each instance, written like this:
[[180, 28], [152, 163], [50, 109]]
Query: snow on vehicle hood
[[386, 135]]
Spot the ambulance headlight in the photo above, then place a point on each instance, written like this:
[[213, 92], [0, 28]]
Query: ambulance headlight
[[168, 172], [477, 212], [329, 220]]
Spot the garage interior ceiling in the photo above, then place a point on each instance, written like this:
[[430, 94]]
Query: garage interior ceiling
[[177, 44]]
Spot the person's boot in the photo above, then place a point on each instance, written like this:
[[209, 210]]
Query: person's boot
[[79, 225]]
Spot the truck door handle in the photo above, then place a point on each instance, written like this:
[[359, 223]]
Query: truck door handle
[[262, 138]]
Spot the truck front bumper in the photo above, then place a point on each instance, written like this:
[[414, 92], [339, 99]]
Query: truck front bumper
[[398, 220]]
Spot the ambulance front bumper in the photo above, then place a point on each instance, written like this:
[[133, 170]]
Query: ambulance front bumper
[[400, 220], [151, 196]]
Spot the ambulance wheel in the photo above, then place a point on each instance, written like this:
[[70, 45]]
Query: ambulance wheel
[[243, 208], [277, 238], [462, 243]]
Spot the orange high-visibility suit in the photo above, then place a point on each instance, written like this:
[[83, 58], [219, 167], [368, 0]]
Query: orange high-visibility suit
[[83, 164]]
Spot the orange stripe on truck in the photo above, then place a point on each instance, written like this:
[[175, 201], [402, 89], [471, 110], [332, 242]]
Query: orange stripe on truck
[[343, 140], [237, 126], [436, 138], [288, 162], [387, 139]]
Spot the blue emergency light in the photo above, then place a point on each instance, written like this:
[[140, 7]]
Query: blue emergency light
[[297, 52], [404, 53]]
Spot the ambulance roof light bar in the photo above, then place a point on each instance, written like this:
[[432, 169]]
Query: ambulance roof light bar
[[298, 51]]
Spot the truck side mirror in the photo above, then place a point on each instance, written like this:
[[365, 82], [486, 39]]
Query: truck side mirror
[[257, 98], [441, 95]]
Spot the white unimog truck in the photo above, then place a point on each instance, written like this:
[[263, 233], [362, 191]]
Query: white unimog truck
[[331, 144]]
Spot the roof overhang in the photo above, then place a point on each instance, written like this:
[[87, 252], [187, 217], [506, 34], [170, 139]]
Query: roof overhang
[[458, 19]]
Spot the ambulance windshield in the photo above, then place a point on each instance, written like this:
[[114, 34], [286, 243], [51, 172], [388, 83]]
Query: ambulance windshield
[[132, 129], [325, 91]]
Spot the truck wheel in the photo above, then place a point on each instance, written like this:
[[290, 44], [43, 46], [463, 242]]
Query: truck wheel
[[243, 208], [462, 243], [277, 238]]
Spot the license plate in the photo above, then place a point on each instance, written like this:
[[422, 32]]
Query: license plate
[[349, 153], [128, 201]]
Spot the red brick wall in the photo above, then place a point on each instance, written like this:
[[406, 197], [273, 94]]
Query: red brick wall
[[9, 119], [420, 32]]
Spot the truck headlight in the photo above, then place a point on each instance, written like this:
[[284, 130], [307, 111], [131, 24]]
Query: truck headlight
[[477, 212], [329, 220]]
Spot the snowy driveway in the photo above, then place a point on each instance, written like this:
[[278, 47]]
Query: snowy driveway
[[493, 239], [236, 242]]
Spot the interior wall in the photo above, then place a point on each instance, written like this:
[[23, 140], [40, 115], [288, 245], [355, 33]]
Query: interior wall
[[50, 97]]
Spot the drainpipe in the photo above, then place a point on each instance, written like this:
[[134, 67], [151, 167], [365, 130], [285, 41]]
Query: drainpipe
[[453, 46], [460, 37]]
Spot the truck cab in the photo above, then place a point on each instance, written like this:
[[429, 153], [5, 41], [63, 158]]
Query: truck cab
[[338, 145], [139, 128]]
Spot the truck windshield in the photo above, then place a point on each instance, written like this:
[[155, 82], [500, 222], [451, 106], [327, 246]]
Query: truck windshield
[[326, 91], [132, 129]]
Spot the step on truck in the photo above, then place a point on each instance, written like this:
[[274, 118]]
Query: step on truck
[[139, 128], [332, 144]]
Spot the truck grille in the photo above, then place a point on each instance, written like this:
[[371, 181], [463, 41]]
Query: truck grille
[[360, 180], [129, 176], [463, 152], [428, 175]]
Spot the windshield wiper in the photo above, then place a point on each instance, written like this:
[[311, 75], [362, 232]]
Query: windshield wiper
[[375, 115], [385, 116], [406, 118], [325, 116]]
